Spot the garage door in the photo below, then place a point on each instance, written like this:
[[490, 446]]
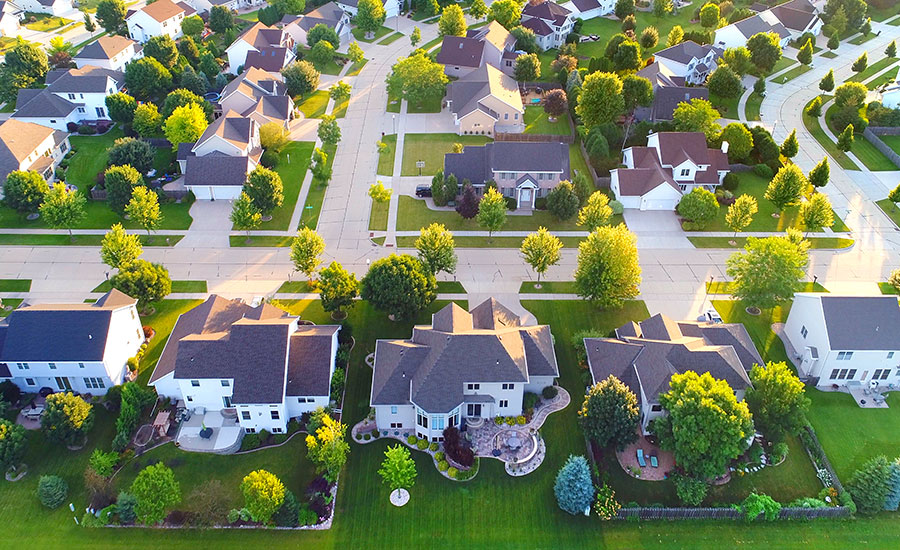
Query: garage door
[[658, 204]]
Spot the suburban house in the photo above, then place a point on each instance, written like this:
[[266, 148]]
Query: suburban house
[[29, 146], [673, 163], [690, 61], [52, 7], [645, 355], [392, 8], [259, 95], [266, 48], [216, 167], [162, 17], [71, 96], [890, 97], [205, 6], [89, 350], [669, 90], [111, 52], [331, 15], [465, 365], [589, 9], [486, 101], [490, 44], [789, 21], [10, 16], [845, 340], [523, 170], [261, 363], [550, 22]]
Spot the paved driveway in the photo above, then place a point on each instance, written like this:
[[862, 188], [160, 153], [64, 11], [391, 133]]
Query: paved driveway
[[430, 123]]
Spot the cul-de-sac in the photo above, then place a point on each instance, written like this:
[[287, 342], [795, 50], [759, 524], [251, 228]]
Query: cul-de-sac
[[388, 274]]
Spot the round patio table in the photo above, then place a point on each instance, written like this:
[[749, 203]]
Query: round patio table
[[206, 433]]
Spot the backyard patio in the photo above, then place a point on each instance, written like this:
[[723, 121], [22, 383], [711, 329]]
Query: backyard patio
[[644, 459], [211, 432]]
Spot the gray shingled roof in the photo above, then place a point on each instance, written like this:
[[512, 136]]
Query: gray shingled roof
[[862, 322], [684, 52], [666, 99], [267, 58], [309, 360], [216, 169], [756, 24], [460, 51], [41, 103], [476, 163]]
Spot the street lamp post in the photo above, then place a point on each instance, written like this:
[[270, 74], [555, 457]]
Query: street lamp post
[[394, 123]]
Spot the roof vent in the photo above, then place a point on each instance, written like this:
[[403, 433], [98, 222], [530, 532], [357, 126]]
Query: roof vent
[[460, 45], [403, 374], [192, 359], [498, 361], [91, 336]]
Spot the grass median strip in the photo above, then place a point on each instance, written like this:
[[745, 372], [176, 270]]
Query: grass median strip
[[872, 69], [793, 73], [726, 287], [15, 285], [180, 287], [827, 243], [814, 128], [754, 102], [392, 38], [79, 240], [450, 287], [890, 210], [378, 218], [295, 287], [888, 288], [548, 287], [485, 242]]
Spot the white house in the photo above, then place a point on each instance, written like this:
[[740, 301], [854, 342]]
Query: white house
[[260, 362], [109, 52], [491, 44], [71, 96], [331, 15], [259, 95], [29, 146], [162, 17], [205, 6], [485, 101], [476, 364], [88, 351], [550, 22], [645, 355], [789, 21], [690, 61], [672, 164], [589, 9], [391, 7], [890, 97], [845, 340], [10, 16], [52, 7], [267, 48]]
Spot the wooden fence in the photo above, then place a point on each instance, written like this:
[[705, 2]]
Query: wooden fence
[[505, 136], [728, 513]]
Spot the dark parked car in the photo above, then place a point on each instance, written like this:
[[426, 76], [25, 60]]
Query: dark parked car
[[423, 191]]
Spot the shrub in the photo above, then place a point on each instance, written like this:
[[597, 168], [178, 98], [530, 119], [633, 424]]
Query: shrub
[[756, 504], [529, 400], [452, 472], [412, 440], [731, 181], [894, 279], [439, 456], [510, 420], [779, 452], [125, 507], [367, 437], [763, 171], [549, 392], [870, 485], [269, 159], [307, 516], [288, 514], [422, 444], [86, 130], [10, 392], [520, 420], [690, 491], [250, 442], [433, 447], [52, 491], [807, 502], [443, 465], [457, 449]]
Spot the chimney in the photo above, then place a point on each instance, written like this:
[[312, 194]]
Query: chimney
[[725, 147]]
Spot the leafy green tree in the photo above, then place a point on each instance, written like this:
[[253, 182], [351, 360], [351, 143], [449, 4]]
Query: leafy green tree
[[120, 182], [816, 212], [354, 52], [25, 64], [452, 21], [209, 66], [574, 488], [541, 251], [103, 463], [25, 190], [699, 206], [777, 400], [186, 125], [662, 8], [300, 78], [629, 24], [415, 37], [624, 8], [709, 16], [67, 419], [263, 494], [192, 26], [765, 50], [220, 19], [610, 414], [306, 248], [398, 471], [63, 209], [370, 15], [870, 485], [786, 188], [337, 287], [163, 49], [562, 201], [272, 135], [321, 54], [628, 56], [891, 50], [417, 79], [740, 141], [191, 80], [156, 490], [111, 15], [322, 32], [144, 208], [134, 152], [827, 82], [265, 189], [506, 12], [12, 443], [846, 138], [861, 63], [329, 131], [147, 119], [147, 78], [144, 281], [767, 273], [814, 109], [59, 52], [706, 426], [739, 59], [89, 24], [436, 249], [244, 215], [805, 54], [328, 448], [340, 91], [637, 91], [676, 36], [740, 213], [119, 248], [528, 68], [121, 107], [399, 285], [833, 42], [791, 146], [52, 491], [821, 174], [478, 10], [379, 193], [596, 211], [601, 99], [491, 211], [293, 7], [608, 272], [697, 116], [725, 82], [755, 504], [649, 38]]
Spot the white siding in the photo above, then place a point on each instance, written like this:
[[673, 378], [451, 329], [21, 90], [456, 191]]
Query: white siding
[[405, 415]]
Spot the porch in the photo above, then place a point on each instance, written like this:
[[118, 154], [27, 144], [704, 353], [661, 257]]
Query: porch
[[211, 432]]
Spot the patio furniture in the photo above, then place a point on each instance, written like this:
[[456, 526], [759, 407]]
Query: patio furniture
[[206, 433], [162, 422], [640, 457], [653, 461], [33, 413], [513, 442]]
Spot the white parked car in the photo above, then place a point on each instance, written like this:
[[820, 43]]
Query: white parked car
[[710, 316]]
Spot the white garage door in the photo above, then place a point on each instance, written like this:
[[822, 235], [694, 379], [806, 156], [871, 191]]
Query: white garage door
[[216, 192], [658, 204]]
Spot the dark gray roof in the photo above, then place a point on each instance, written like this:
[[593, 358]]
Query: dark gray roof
[[539, 26], [793, 18], [477, 163], [88, 79], [862, 322], [586, 5], [4, 368], [79, 331], [41, 103], [756, 24], [216, 169], [461, 51], [686, 51], [660, 327], [329, 14], [276, 107], [268, 59], [666, 100], [309, 360]]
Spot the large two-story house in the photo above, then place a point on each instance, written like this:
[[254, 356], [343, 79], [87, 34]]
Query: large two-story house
[[261, 362], [669, 90], [486, 101], [111, 52], [589, 9], [78, 347], [331, 15], [550, 22], [672, 164], [789, 21], [392, 8], [690, 61], [645, 355], [56, 8], [267, 48], [29, 146], [10, 17], [161, 18], [205, 6], [71, 96], [491, 44], [845, 340], [259, 95], [476, 365], [523, 170]]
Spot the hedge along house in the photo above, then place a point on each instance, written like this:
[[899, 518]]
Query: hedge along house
[[259, 364], [466, 365]]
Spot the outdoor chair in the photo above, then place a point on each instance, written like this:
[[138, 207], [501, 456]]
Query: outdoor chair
[[640, 457], [653, 461]]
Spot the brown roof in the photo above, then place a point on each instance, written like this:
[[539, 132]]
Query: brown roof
[[106, 47], [676, 147], [162, 10], [231, 127], [19, 139], [461, 51]]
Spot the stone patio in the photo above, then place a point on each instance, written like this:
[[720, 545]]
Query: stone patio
[[628, 460], [226, 434]]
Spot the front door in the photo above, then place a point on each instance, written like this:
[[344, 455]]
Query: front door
[[63, 384], [525, 197], [474, 410]]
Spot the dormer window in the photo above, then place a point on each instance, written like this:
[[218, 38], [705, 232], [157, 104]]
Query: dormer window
[[685, 172]]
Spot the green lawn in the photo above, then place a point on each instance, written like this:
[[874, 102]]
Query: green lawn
[[829, 54], [751, 110], [605, 28], [15, 285], [178, 287], [814, 128], [253, 16], [340, 109], [485, 242], [428, 106], [316, 196], [893, 142], [378, 218], [431, 43], [450, 287], [862, 39], [725, 287], [386, 158], [538, 122], [315, 105], [781, 65], [361, 36], [295, 287], [431, 148], [888, 288], [293, 161], [792, 74], [895, 22], [758, 326], [890, 209], [45, 22], [356, 67], [873, 69], [882, 14], [392, 38], [881, 80], [576, 160], [548, 287], [727, 106], [261, 241], [724, 242], [862, 148], [80, 240], [165, 314], [8, 305]]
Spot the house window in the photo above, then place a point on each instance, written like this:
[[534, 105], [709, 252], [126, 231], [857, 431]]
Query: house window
[[508, 386], [250, 430], [516, 116], [189, 398], [52, 366], [834, 374], [685, 172], [303, 400], [80, 365], [470, 387], [890, 355], [505, 116], [421, 420], [225, 383], [245, 415], [276, 430], [845, 355], [393, 409], [275, 415], [656, 408], [396, 424], [504, 403], [803, 331], [29, 381], [540, 177], [195, 383], [81, 110], [226, 401], [94, 383], [71, 96], [881, 374], [841, 374], [437, 423], [852, 374], [101, 112], [22, 366]]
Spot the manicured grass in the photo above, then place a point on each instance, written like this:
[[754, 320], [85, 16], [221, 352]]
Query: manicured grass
[[80, 240], [751, 110], [450, 287], [538, 122], [340, 109], [332, 67], [431, 148], [888, 288], [862, 39], [485, 242], [881, 80], [862, 148], [432, 43], [378, 218], [814, 128], [15, 285], [295, 287], [162, 320], [890, 209], [882, 14], [392, 38], [292, 173], [315, 105], [45, 22], [873, 69], [9, 304], [259, 240], [893, 142], [781, 65], [356, 67], [361, 36], [829, 54], [178, 287], [253, 16], [576, 160], [605, 28], [429, 106], [312, 208], [792, 74], [724, 242], [895, 22], [386, 158], [770, 346], [548, 287], [725, 287], [727, 106]]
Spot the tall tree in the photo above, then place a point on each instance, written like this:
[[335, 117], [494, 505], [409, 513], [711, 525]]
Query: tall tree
[[263, 494], [147, 119], [436, 249], [637, 91], [787, 187], [608, 272], [25, 191], [624, 8], [146, 78], [816, 213], [398, 471], [697, 116], [265, 189], [740, 141], [739, 59], [67, 418], [791, 146], [337, 287], [111, 15], [328, 448], [120, 182], [415, 37], [321, 32], [89, 24], [861, 63], [827, 82], [596, 211], [192, 26], [870, 485], [574, 488], [709, 16], [777, 400], [765, 50], [610, 414], [891, 50], [562, 201], [740, 213], [63, 209], [328, 130], [399, 285], [136, 153], [306, 248], [767, 273], [478, 9], [805, 54], [699, 207], [528, 67], [355, 52], [121, 107], [675, 37], [144, 208], [156, 490], [506, 12], [821, 174], [321, 54], [452, 21], [725, 82], [220, 19], [370, 16], [601, 99], [301, 78], [491, 211], [846, 139], [162, 48], [244, 215], [661, 8], [144, 281], [541, 251], [13, 444], [120, 248], [186, 125]]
